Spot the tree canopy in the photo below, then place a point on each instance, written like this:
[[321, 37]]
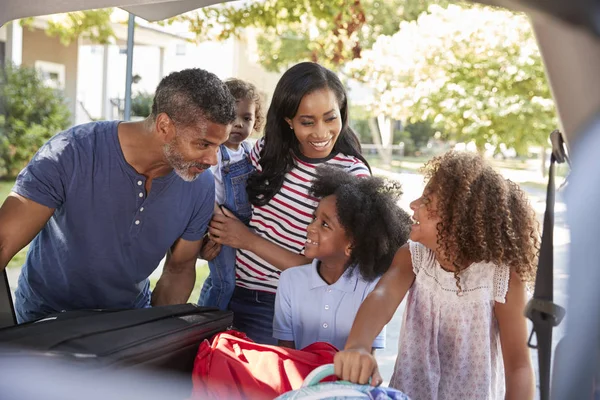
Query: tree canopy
[[329, 32], [475, 71], [91, 24]]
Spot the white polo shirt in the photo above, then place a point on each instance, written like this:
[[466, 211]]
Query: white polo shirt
[[308, 309]]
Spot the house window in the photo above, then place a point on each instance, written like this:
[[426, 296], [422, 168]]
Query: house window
[[180, 49], [53, 74]]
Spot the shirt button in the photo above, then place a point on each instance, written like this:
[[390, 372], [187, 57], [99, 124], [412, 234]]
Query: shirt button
[[140, 183], [141, 209], [325, 325], [141, 194], [328, 290], [137, 221], [327, 307]]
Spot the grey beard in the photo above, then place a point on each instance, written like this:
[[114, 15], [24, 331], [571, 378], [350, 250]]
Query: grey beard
[[181, 167]]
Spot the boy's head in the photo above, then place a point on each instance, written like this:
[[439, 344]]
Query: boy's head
[[479, 215], [357, 218], [248, 110]]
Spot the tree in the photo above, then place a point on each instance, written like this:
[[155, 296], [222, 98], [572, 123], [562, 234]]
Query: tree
[[94, 25], [329, 32], [475, 71], [30, 113], [420, 132], [141, 104]]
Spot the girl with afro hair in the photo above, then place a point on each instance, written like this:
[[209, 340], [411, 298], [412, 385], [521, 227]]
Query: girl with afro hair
[[472, 251], [356, 230]]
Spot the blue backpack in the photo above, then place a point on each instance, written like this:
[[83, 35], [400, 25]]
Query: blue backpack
[[314, 390]]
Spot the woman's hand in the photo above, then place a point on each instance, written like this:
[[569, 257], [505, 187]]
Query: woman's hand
[[227, 229], [357, 366]]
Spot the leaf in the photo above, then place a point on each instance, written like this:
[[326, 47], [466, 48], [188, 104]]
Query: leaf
[[475, 71], [30, 113]]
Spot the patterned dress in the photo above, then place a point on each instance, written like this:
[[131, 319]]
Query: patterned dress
[[449, 344]]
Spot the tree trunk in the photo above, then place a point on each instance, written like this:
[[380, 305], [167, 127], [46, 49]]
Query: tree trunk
[[386, 158], [543, 161], [386, 129]]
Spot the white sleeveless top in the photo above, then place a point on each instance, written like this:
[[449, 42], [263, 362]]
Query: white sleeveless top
[[450, 345]]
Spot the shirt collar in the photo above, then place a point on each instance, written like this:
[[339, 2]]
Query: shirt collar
[[347, 282]]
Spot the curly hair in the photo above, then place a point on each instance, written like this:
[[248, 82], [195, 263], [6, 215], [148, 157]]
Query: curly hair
[[484, 217], [188, 95], [240, 89], [368, 211]]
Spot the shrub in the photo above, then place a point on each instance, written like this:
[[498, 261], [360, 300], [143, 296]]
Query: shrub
[[30, 114], [141, 104]]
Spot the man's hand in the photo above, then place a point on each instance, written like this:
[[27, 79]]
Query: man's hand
[[357, 366], [210, 249]]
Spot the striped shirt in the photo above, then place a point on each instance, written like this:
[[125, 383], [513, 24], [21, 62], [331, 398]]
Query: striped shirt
[[284, 219]]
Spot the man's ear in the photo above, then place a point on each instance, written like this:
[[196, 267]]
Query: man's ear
[[165, 128]]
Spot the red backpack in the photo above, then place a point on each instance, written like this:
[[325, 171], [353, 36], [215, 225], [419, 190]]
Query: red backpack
[[234, 367]]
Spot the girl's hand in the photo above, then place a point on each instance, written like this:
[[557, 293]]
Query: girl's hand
[[210, 249], [227, 229], [357, 366]]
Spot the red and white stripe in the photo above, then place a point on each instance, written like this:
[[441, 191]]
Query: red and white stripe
[[284, 219]]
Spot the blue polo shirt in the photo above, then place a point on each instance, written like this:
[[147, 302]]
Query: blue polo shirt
[[107, 235], [309, 310]]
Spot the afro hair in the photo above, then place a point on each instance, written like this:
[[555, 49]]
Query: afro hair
[[367, 208]]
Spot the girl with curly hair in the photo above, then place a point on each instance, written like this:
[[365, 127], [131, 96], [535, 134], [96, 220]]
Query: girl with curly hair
[[306, 126], [473, 249], [356, 230]]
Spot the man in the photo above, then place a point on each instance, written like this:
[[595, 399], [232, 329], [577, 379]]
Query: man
[[103, 203]]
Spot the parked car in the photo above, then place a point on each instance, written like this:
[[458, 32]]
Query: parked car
[[568, 34]]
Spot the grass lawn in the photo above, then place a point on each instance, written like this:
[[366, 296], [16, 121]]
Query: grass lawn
[[5, 187], [201, 274], [19, 258]]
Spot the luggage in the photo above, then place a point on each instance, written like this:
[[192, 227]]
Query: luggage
[[234, 367], [164, 338], [7, 310], [314, 390]]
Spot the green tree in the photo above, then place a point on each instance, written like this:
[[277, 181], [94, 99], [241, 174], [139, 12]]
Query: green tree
[[330, 32], [94, 25], [476, 72], [420, 132], [359, 121], [30, 113], [141, 104]]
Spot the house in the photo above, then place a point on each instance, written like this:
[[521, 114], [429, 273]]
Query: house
[[93, 76]]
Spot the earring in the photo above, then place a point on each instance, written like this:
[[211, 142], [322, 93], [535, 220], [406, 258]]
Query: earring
[[291, 127]]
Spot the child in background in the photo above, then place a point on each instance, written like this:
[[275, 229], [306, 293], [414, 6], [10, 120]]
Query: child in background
[[231, 173], [472, 250], [356, 230]]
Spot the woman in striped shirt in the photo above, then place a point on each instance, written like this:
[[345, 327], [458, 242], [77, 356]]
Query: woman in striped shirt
[[307, 126]]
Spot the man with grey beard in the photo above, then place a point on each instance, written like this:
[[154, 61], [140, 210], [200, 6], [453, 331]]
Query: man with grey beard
[[105, 201]]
